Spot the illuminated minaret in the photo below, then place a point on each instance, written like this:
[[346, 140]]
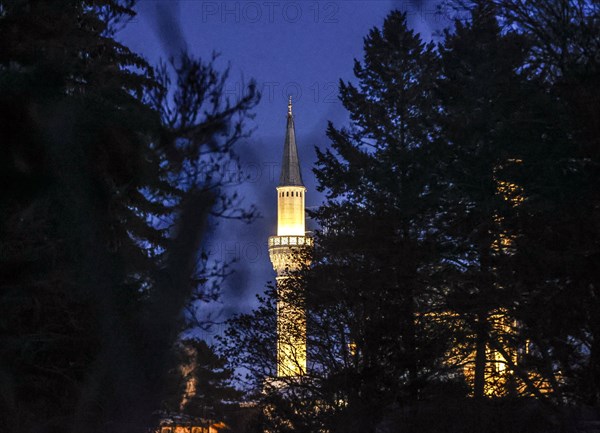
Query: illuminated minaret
[[291, 236]]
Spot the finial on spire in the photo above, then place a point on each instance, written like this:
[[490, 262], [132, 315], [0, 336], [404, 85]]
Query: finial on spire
[[290, 106]]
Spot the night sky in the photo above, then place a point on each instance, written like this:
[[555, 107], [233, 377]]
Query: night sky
[[298, 48]]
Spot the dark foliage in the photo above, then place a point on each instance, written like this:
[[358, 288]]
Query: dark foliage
[[101, 213]]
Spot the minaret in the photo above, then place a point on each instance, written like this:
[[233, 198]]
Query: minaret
[[291, 236]]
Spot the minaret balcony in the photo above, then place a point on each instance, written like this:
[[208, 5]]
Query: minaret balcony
[[290, 241], [282, 249]]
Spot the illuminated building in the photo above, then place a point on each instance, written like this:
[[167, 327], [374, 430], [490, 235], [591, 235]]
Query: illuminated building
[[185, 424], [283, 250], [502, 357]]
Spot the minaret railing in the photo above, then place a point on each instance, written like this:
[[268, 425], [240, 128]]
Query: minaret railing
[[277, 241]]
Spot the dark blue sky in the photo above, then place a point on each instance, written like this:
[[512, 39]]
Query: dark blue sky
[[299, 48]]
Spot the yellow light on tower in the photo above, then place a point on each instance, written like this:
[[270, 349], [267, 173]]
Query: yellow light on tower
[[291, 236], [290, 211]]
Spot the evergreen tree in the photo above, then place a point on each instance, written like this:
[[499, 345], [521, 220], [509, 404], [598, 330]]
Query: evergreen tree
[[486, 119], [557, 254], [377, 246], [92, 286]]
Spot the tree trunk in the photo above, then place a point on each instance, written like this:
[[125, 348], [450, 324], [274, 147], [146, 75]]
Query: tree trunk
[[480, 359]]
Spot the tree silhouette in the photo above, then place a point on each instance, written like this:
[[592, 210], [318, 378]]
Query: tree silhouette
[[101, 213]]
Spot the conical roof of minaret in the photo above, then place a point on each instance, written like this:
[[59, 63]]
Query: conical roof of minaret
[[290, 167]]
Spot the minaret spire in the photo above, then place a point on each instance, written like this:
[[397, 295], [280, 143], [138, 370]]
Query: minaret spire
[[290, 166]]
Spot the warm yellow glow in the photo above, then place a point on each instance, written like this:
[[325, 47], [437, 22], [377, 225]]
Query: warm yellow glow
[[290, 211], [497, 372], [502, 354], [510, 192], [504, 243], [513, 194], [352, 347], [291, 337], [499, 377], [291, 321], [190, 384], [281, 252], [213, 428]]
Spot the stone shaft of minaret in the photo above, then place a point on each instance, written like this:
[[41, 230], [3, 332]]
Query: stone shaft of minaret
[[291, 236]]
